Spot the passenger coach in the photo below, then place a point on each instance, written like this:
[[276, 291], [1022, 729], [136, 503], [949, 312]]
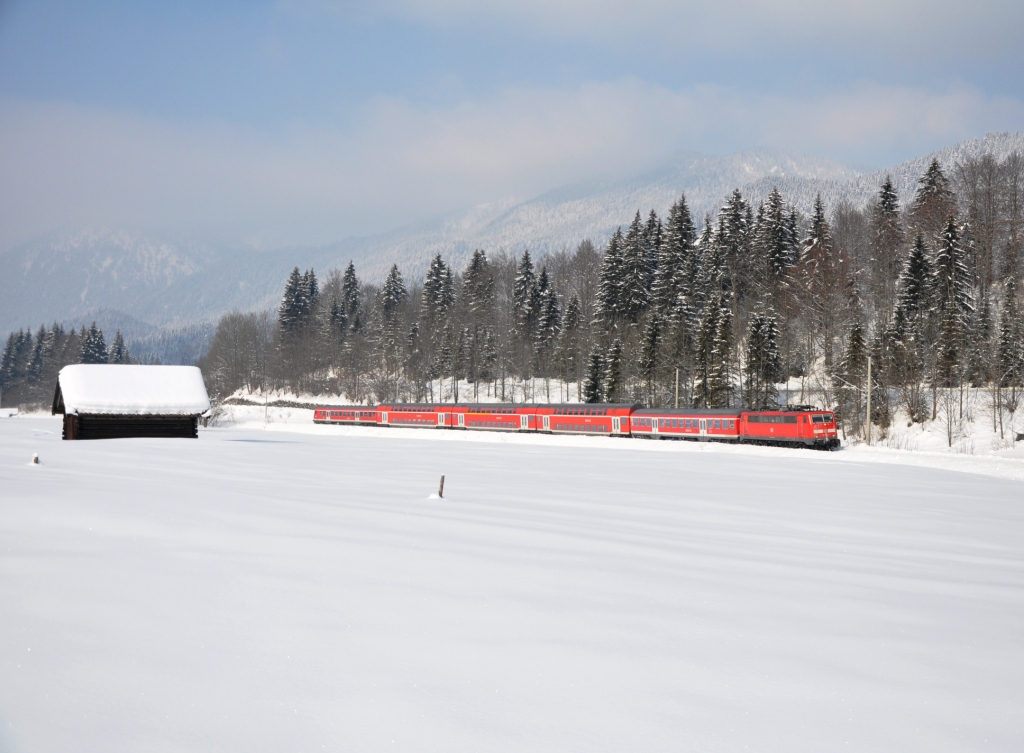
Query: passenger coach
[[686, 423]]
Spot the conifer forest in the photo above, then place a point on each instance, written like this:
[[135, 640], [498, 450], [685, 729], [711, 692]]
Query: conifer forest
[[756, 306], [30, 363]]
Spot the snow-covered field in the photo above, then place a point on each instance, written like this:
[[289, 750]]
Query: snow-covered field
[[295, 587]]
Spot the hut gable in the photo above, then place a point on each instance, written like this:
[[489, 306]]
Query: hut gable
[[118, 400]]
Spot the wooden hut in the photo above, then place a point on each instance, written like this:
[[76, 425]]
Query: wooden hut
[[108, 401]]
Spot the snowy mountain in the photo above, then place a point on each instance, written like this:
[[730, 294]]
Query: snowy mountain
[[135, 283], [165, 282]]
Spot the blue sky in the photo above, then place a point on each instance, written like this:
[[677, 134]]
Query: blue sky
[[305, 122]]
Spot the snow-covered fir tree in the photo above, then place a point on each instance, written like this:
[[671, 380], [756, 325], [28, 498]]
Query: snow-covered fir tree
[[650, 354], [94, 349], [612, 385], [593, 382], [886, 249], [704, 354], [569, 342], [675, 266], [1011, 338], [763, 364], [393, 292], [118, 351], [933, 203], [608, 310], [289, 312], [350, 298], [720, 371], [774, 239], [634, 282]]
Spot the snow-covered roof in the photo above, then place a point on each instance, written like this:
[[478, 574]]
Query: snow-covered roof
[[119, 389]]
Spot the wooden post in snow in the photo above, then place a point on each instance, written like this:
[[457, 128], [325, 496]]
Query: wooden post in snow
[[868, 418], [440, 489]]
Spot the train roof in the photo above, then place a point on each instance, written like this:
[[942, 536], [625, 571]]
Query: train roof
[[620, 406], [688, 411], [451, 406]]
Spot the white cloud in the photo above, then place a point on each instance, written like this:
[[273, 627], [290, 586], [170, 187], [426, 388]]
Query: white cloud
[[393, 162]]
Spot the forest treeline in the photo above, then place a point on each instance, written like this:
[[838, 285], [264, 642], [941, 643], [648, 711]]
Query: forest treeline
[[30, 363], [735, 304]]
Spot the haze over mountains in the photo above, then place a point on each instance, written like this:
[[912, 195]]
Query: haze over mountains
[[153, 286]]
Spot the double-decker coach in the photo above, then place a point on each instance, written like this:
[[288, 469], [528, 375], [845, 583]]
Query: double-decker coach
[[415, 415], [609, 419], [353, 415], [497, 417], [481, 416], [708, 424]]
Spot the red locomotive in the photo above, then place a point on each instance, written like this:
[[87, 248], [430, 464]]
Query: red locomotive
[[798, 425]]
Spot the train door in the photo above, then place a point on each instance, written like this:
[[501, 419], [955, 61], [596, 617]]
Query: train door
[[547, 423], [654, 425], [615, 425], [384, 418], [462, 420], [524, 423], [442, 419], [703, 427]]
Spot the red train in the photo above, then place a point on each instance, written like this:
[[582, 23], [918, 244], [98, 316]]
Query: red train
[[799, 425]]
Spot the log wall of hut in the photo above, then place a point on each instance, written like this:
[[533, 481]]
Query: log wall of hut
[[120, 427]]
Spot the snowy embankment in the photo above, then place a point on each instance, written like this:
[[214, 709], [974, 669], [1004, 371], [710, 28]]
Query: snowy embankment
[[297, 589]]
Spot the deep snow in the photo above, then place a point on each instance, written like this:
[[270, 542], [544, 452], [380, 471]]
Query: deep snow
[[299, 590]]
